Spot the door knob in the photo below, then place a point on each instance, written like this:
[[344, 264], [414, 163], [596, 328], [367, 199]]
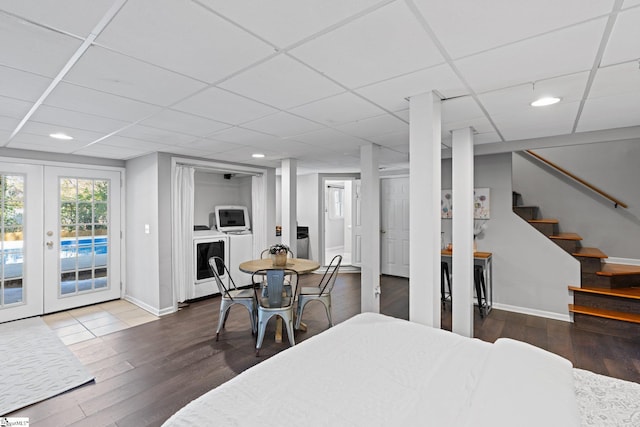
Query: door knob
[[50, 245], [383, 231]]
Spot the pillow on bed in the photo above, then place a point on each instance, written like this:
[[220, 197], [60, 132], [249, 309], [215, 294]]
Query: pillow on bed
[[524, 385]]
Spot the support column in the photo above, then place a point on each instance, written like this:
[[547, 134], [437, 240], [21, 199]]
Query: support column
[[289, 204], [424, 214], [370, 205], [462, 232]]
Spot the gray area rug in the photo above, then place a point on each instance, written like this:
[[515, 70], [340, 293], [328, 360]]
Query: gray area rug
[[35, 365]]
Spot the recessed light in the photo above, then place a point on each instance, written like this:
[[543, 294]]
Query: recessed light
[[257, 155], [543, 102], [61, 135]]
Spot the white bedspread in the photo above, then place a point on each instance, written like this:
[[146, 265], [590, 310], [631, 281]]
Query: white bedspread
[[373, 370]]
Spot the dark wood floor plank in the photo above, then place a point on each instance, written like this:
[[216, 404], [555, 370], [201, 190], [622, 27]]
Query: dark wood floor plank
[[146, 373]]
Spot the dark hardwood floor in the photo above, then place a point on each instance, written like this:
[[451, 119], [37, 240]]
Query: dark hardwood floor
[[146, 373]]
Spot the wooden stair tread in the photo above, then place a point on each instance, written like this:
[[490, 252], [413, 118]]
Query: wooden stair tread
[[543, 221], [589, 253], [629, 293], [610, 270], [566, 236], [607, 314]]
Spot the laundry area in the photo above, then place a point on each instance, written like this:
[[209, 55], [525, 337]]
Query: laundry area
[[222, 227]]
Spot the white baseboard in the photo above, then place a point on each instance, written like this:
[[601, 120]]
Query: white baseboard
[[533, 312], [627, 261], [147, 307]]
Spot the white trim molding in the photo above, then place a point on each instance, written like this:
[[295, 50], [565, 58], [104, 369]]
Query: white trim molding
[[150, 309], [533, 312], [627, 261]]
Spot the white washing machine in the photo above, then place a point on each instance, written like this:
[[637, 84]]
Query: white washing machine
[[208, 243]]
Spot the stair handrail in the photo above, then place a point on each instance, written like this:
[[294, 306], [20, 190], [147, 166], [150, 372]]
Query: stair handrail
[[591, 187]]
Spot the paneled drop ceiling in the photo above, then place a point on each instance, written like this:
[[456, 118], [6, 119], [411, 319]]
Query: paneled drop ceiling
[[312, 80]]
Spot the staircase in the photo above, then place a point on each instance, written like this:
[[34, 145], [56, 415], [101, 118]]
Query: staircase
[[608, 300]]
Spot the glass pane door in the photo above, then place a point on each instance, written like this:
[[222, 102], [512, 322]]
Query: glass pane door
[[83, 237], [20, 241]]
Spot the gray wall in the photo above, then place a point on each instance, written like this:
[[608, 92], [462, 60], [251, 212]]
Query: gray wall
[[612, 167], [166, 301], [143, 267], [308, 208], [212, 189], [530, 273]]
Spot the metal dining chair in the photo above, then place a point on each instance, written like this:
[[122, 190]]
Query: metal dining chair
[[231, 295], [276, 301], [321, 292]]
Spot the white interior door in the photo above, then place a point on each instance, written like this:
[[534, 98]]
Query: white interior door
[[394, 237], [21, 290], [82, 237]]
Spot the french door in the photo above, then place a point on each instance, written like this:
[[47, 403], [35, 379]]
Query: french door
[[60, 238]]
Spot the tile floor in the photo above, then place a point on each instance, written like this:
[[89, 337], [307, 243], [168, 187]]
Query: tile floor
[[85, 323]]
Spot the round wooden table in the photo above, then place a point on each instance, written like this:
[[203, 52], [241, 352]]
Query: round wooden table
[[299, 265]]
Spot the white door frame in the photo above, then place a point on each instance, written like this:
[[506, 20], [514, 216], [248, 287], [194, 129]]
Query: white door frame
[[34, 205], [53, 301], [322, 207]]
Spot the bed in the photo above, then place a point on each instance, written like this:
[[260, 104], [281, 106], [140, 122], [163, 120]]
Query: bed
[[374, 370]]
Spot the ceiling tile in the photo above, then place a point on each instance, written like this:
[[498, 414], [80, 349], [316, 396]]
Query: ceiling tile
[[610, 112], [15, 108], [616, 80], [243, 155], [562, 52], [182, 36], [77, 17], [81, 137], [331, 139], [479, 125], [110, 152], [282, 125], [473, 26], [130, 78], [183, 123], [374, 126], [537, 122], [76, 120], [630, 3], [398, 140], [207, 146], [286, 21], [285, 148], [460, 109], [28, 47], [135, 144], [22, 85], [238, 135], [89, 101], [29, 141], [338, 109], [283, 83], [151, 134], [392, 94], [8, 124], [385, 43], [223, 106], [518, 98], [623, 44]]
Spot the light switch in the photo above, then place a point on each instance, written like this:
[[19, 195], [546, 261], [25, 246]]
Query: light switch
[[146, 229]]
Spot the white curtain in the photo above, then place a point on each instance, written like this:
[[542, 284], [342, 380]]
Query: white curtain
[[183, 267], [258, 210]]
